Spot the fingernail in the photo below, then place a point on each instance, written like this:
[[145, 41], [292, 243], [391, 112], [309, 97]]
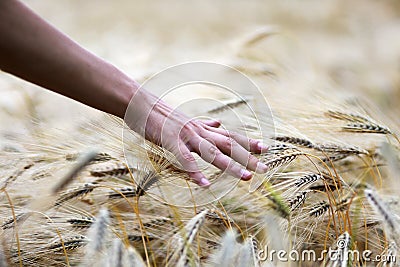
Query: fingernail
[[245, 174], [204, 182], [262, 147], [261, 168]]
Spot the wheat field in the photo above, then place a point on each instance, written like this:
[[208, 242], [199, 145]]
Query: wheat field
[[330, 71]]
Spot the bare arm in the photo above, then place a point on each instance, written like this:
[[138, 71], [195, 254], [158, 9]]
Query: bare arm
[[33, 50]]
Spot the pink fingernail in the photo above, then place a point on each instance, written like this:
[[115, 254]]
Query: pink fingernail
[[245, 174], [262, 147], [261, 168], [204, 182]]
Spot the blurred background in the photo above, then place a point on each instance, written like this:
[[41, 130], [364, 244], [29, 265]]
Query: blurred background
[[328, 46]]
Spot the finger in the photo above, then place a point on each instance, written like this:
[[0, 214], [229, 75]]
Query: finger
[[188, 162], [230, 147], [248, 143], [211, 154], [212, 123]]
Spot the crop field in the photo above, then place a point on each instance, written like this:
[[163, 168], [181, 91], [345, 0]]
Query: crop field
[[78, 188]]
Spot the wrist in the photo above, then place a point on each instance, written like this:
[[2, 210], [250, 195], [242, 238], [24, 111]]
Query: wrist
[[139, 110], [124, 92], [119, 87]]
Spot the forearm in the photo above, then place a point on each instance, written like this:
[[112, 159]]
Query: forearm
[[35, 51]]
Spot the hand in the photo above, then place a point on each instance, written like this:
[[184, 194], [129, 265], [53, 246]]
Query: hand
[[172, 130], [37, 52]]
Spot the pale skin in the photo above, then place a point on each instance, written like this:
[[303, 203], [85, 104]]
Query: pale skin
[[33, 50]]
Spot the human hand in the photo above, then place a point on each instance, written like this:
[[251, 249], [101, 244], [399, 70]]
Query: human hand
[[174, 131], [33, 49]]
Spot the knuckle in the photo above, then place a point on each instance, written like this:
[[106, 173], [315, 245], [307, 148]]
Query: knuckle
[[187, 135], [195, 125], [218, 153], [229, 142], [187, 130], [225, 133], [252, 160], [213, 150], [233, 135], [188, 157], [201, 131], [221, 159]]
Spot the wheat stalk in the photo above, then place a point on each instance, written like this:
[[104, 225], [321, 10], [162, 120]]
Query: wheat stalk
[[110, 169], [297, 200], [342, 246], [76, 192], [339, 149], [100, 157], [227, 253], [319, 209], [280, 159], [115, 256], [146, 182], [3, 262], [134, 259], [128, 191], [295, 141], [347, 116], [278, 203], [189, 232], [69, 244], [382, 210], [358, 123], [228, 106], [366, 128], [83, 161], [98, 236], [84, 222], [14, 176]]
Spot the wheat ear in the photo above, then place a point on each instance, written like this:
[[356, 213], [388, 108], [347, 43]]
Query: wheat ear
[[230, 105], [97, 235], [134, 258], [3, 262], [110, 169], [297, 200], [116, 254], [76, 192], [247, 254], [83, 161], [84, 222], [189, 232], [71, 243], [226, 254], [295, 141], [282, 158], [381, 209], [358, 123]]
